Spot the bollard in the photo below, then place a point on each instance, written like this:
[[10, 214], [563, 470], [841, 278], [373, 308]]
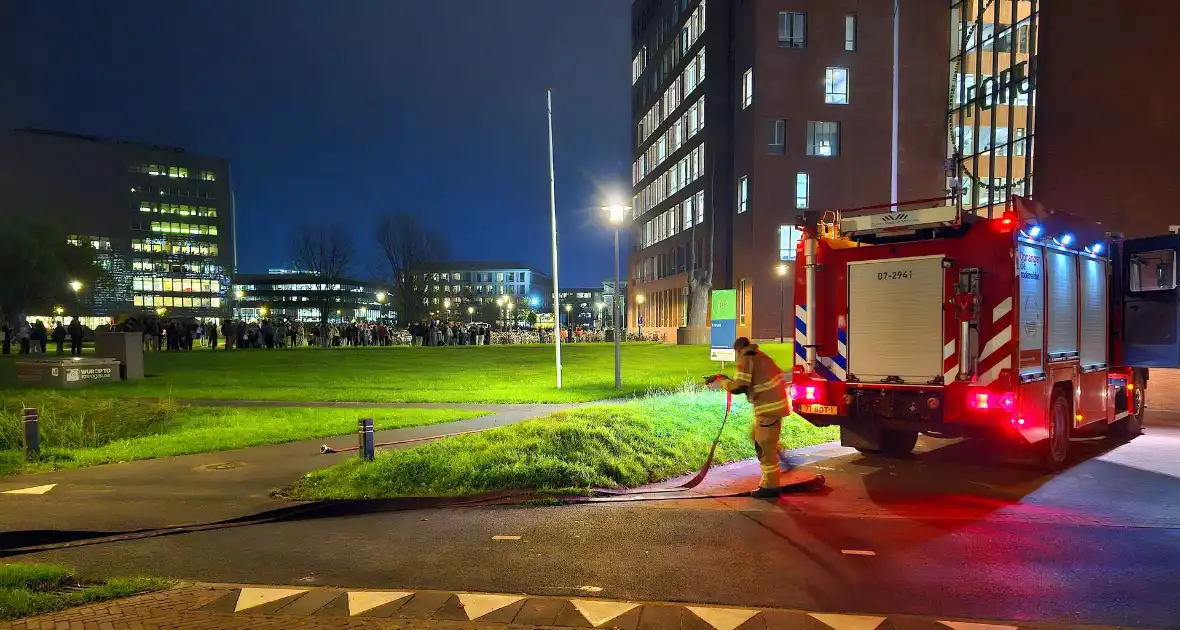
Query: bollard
[[364, 431], [32, 434]]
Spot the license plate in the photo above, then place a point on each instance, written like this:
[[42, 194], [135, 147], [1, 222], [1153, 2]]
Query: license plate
[[822, 410]]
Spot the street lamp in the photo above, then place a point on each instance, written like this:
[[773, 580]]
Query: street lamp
[[600, 306], [616, 213], [381, 304], [470, 314], [782, 299], [75, 285], [568, 321], [239, 294], [508, 307]]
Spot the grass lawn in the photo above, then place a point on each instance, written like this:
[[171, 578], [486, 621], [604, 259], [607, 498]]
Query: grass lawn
[[36, 589], [485, 374], [79, 431], [602, 446]]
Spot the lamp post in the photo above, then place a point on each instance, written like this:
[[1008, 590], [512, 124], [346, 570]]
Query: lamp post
[[76, 286], [447, 307], [503, 313], [470, 314], [600, 306], [782, 299], [639, 314], [381, 304], [616, 213]]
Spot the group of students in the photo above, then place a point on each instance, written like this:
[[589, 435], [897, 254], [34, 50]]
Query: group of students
[[35, 338]]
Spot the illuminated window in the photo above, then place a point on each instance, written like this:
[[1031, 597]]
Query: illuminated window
[[788, 241], [836, 86], [776, 137], [743, 194], [850, 32], [792, 29], [823, 138], [741, 301], [802, 190], [209, 176], [747, 88]]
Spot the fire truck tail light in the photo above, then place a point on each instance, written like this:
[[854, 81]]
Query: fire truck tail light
[[991, 401], [810, 393]]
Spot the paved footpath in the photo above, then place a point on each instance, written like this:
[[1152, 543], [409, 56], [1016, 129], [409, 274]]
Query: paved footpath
[[210, 606], [207, 486]]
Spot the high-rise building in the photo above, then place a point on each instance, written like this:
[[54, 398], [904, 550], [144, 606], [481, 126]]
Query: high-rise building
[[161, 219], [804, 107], [796, 111]]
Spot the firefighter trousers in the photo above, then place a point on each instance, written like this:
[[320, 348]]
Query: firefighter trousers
[[766, 432]]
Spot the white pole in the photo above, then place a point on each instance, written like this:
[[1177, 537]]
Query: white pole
[[896, 100], [553, 223]]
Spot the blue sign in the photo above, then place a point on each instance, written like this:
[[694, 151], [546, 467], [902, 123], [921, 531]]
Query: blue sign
[[641, 320]]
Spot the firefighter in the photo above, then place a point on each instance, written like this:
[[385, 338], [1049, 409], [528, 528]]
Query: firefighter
[[765, 385]]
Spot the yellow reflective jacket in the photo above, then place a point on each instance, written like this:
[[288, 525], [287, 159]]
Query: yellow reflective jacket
[[763, 383]]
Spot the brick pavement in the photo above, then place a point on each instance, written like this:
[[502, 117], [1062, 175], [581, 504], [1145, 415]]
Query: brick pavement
[[222, 606]]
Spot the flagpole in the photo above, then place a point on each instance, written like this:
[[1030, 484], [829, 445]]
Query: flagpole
[[896, 102], [553, 224]]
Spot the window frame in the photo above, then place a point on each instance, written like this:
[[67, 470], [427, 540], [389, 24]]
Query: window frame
[[777, 136], [748, 87], [743, 194], [851, 28], [831, 96], [804, 201]]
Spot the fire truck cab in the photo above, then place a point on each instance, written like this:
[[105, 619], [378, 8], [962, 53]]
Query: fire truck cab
[[1030, 327]]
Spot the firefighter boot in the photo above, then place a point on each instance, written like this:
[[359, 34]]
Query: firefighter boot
[[766, 435]]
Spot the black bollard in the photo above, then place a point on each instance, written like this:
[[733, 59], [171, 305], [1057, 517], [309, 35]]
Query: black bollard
[[32, 434], [365, 438]]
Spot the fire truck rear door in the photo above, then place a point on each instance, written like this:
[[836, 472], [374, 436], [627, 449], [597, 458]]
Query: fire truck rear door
[[895, 312], [1152, 316]]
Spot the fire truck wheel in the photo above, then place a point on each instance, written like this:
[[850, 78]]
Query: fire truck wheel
[[1131, 426], [1056, 448], [897, 443]]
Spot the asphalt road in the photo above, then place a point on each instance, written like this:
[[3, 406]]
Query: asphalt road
[[953, 532]]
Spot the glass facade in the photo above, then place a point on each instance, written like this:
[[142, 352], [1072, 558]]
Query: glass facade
[[993, 59]]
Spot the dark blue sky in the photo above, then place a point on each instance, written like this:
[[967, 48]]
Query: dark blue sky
[[349, 108]]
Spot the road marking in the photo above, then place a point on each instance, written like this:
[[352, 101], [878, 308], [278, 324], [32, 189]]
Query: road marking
[[359, 602], [254, 597], [723, 618], [598, 613], [965, 625], [590, 589], [858, 552], [476, 605], [33, 490], [849, 622], [505, 537]]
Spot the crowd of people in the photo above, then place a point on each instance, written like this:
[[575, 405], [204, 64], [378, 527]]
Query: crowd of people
[[34, 338], [174, 335]]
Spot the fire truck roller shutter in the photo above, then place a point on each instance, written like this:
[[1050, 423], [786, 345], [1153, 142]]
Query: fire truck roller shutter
[[895, 311]]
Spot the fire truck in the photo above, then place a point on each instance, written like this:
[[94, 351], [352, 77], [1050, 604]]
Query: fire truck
[[1029, 327]]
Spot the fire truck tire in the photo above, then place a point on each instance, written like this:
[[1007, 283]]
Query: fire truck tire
[[897, 443], [1131, 426], [1055, 450]]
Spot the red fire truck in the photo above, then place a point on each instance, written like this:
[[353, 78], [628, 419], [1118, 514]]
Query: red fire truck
[[1029, 327]]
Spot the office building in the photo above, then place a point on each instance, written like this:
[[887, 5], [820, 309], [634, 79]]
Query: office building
[[796, 112], [482, 283], [584, 307], [160, 218], [294, 295], [747, 112]]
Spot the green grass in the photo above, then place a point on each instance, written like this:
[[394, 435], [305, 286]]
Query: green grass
[[602, 446], [495, 374], [78, 431], [36, 589]]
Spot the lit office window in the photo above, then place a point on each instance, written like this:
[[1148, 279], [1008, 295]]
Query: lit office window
[[823, 138], [836, 86], [747, 88], [776, 137], [788, 241], [849, 32], [209, 176], [802, 190], [743, 194], [792, 29]]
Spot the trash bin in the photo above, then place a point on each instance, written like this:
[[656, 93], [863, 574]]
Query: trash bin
[[66, 372], [126, 348]]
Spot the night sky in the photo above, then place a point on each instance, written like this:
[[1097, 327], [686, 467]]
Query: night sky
[[349, 108]]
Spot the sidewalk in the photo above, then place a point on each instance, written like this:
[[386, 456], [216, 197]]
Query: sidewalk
[[204, 487], [212, 606]]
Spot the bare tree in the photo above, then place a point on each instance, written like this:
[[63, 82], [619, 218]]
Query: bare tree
[[408, 247], [325, 250]]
